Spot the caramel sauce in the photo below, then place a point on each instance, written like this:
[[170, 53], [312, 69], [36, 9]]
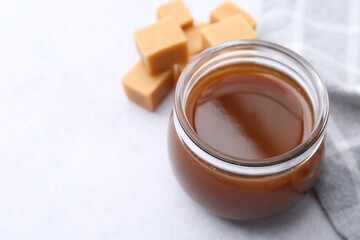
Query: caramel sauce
[[250, 112]]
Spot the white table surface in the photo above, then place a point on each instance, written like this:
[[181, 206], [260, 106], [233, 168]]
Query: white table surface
[[80, 161]]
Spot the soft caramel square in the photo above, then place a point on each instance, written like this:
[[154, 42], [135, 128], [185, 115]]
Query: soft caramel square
[[178, 10], [232, 28], [229, 9], [145, 89], [161, 45], [181, 66], [178, 68], [193, 35]]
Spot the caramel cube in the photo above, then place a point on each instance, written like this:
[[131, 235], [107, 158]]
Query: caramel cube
[[232, 28], [161, 45], [146, 90], [178, 68], [194, 38], [178, 10], [229, 9], [183, 64], [177, 72]]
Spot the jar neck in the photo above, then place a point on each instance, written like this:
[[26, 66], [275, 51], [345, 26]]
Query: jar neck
[[263, 54]]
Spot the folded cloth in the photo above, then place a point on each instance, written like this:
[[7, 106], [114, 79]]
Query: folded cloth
[[327, 34]]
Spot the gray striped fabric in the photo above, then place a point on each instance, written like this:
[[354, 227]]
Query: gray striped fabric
[[327, 34]]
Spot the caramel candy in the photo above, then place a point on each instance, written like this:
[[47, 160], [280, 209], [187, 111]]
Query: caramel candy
[[178, 10], [232, 28], [161, 45], [193, 35], [177, 73], [146, 90], [229, 9], [179, 67], [183, 64]]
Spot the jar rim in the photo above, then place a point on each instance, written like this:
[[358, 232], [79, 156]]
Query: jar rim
[[246, 165]]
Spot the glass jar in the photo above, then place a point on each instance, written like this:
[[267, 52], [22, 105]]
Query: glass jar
[[235, 187]]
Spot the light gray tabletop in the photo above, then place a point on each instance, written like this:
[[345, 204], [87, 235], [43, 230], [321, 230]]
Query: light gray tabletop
[[80, 161]]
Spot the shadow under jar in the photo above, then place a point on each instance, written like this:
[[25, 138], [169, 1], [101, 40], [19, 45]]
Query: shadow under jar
[[246, 136]]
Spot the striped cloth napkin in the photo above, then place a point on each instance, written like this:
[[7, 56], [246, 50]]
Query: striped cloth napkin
[[327, 34]]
